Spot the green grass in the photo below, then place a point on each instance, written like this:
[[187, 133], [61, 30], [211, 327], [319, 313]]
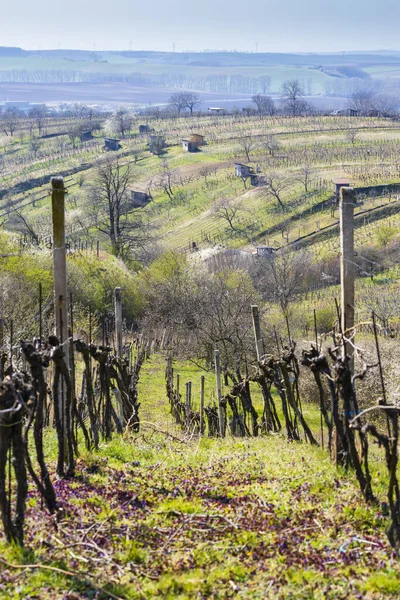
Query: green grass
[[150, 516]]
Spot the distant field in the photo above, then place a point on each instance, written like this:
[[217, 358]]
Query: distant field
[[118, 93], [193, 68]]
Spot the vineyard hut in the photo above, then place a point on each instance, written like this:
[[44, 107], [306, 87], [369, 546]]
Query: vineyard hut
[[216, 110], [243, 170], [189, 146], [254, 179], [265, 251], [197, 139], [86, 136], [339, 183], [111, 144], [139, 198], [144, 128]]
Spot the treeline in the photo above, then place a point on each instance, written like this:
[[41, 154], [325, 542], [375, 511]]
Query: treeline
[[209, 83]]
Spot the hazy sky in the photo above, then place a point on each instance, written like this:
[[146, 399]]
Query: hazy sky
[[277, 25]]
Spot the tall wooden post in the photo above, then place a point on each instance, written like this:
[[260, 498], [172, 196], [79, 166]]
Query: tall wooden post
[[219, 393], [118, 320], [60, 263], [257, 331], [202, 404], [188, 403], [118, 341], [60, 288], [347, 204]]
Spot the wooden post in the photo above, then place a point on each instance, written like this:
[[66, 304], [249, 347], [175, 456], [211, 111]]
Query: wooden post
[[188, 402], [347, 272], [219, 393], [118, 320], [118, 343], [257, 331], [60, 285], [202, 380], [60, 263], [177, 384]]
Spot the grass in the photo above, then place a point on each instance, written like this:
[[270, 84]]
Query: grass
[[150, 516]]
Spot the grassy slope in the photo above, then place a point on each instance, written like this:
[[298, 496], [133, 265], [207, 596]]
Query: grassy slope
[[153, 516]]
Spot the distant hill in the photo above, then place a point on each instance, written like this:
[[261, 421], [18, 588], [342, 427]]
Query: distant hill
[[9, 51]]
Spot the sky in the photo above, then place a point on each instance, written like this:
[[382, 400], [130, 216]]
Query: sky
[[274, 25]]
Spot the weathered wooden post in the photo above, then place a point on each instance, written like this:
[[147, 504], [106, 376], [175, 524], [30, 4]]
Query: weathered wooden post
[[187, 404], [118, 343], [219, 393], [347, 204], [60, 289], [118, 320], [202, 380], [60, 263], [257, 332]]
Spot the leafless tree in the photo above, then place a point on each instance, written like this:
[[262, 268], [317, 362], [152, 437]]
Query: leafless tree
[[228, 209], [247, 145], [10, 119], [306, 176], [74, 134], [281, 277], [292, 97], [191, 101], [264, 105], [271, 144], [275, 184], [34, 146], [178, 101], [351, 136], [165, 180], [38, 115], [111, 207]]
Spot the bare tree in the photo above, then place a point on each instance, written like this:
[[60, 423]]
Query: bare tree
[[351, 136], [228, 209], [111, 207], [191, 101], [74, 134], [281, 277], [178, 101], [264, 105], [10, 120], [247, 145], [165, 180], [292, 97], [271, 144], [306, 177], [363, 101], [34, 146], [38, 115], [275, 184]]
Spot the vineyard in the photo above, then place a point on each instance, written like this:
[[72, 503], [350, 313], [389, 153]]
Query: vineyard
[[182, 416]]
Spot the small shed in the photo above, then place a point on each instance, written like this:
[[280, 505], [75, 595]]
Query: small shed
[[189, 146], [139, 198], [144, 128], [216, 110], [339, 183], [197, 139], [254, 179], [86, 136], [265, 251], [243, 170], [111, 144]]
